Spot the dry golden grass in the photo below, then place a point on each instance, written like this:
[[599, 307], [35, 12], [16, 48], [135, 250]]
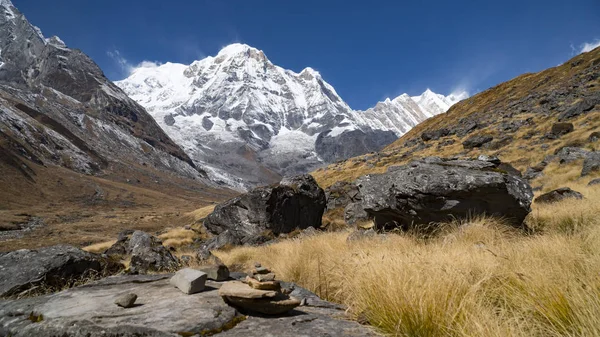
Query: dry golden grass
[[201, 213], [476, 278], [99, 247], [178, 237]]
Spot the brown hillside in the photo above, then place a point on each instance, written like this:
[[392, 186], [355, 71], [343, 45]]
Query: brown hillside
[[518, 114]]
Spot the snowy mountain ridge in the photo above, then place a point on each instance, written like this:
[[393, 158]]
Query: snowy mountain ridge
[[248, 121]]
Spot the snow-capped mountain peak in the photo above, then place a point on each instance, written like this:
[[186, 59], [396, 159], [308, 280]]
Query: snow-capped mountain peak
[[239, 115]]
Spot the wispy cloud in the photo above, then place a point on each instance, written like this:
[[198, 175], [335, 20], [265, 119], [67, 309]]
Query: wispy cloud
[[126, 67], [589, 46]]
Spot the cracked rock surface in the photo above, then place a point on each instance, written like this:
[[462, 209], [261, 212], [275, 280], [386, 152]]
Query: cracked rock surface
[[160, 310]]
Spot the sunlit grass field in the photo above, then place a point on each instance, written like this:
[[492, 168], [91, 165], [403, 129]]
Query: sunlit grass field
[[475, 278]]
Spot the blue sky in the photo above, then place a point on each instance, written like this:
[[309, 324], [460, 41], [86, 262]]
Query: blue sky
[[368, 50]]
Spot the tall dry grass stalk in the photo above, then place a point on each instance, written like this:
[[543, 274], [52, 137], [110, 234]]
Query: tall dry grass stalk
[[475, 278]]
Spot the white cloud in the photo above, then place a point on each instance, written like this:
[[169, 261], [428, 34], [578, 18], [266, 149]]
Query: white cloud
[[148, 64], [127, 68], [589, 46], [460, 93]]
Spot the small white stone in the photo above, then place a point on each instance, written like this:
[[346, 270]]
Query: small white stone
[[189, 281]]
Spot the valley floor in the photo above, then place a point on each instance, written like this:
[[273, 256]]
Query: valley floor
[[65, 207], [476, 278]]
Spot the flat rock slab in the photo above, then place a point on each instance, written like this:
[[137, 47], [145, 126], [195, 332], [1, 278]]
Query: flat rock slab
[[302, 321], [160, 310]]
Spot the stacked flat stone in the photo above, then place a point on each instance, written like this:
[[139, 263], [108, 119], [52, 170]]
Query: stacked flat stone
[[259, 293], [262, 278]]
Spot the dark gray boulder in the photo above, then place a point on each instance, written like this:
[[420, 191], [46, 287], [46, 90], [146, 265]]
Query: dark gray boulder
[[295, 203], [146, 251], [477, 141], [558, 195], [594, 136], [54, 266], [433, 191], [594, 182], [591, 163], [559, 129]]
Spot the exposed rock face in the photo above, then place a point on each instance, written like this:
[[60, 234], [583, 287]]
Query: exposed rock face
[[558, 195], [591, 163], [294, 203], [351, 143], [57, 107], [163, 311], [594, 182], [51, 266], [436, 190], [146, 251]]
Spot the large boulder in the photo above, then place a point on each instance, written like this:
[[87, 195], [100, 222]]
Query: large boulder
[[436, 190], [54, 266], [295, 203], [146, 251]]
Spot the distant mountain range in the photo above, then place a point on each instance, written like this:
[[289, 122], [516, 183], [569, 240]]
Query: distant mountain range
[[247, 121]]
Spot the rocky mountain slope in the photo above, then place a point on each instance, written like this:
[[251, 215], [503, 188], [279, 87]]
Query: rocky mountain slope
[[68, 134], [529, 122], [249, 121]]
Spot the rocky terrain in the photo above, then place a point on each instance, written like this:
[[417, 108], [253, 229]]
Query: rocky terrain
[[256, 302], [90, 310], [481, 221], [528, 122], [73, 145], [250, 122]]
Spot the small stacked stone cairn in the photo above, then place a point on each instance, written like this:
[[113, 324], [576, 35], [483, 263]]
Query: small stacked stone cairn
[[259, 292]]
